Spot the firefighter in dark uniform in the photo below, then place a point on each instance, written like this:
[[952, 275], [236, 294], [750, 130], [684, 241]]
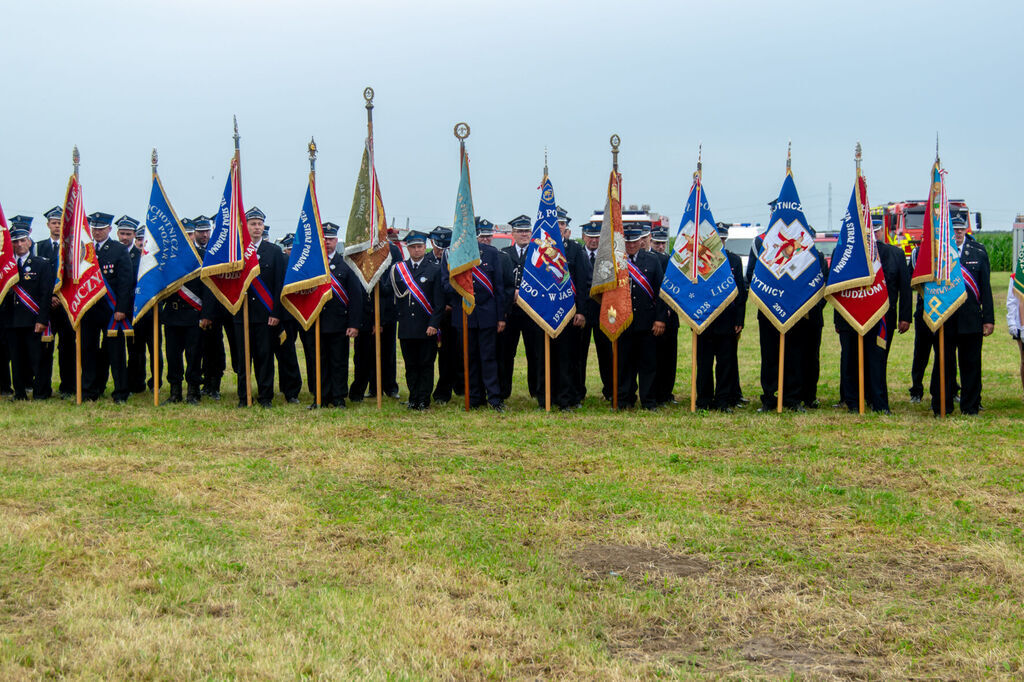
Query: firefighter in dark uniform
[[289, 378], [26, 314], [485, 323], [103, 332], [591, 309], [897, 318], [364, 355], [718, 374], [182, 335], [264, 315], [447, 346], [924, 343], [571, 390], [517, 322], [806, 336], [339, 322], [637, 364], [142, 337], [964, 330], [667, 345], [215, 322], [419, 295], [61, 335]]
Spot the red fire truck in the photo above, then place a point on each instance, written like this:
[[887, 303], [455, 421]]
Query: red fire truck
[[904, 220]]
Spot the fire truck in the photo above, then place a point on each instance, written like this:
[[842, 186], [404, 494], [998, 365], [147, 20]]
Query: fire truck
[[904, 221], [633, 215]]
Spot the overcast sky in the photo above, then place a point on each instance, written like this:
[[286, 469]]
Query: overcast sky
[[118, 78]]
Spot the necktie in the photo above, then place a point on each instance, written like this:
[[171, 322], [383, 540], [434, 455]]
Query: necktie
[[591, 260], [522, 251]]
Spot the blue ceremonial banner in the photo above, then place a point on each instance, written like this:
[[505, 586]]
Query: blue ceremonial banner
[[168, 257], [546, 290], [787, 280], [698, 281], [464, 252], [937, 269], [307, 282]]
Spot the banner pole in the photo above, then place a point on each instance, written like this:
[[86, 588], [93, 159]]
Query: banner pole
[[693, 373], [156, 354], [248, 357], [547, 373], [78, 364], [782, 366], [860, 373], [376, 339], [465, 356], [615, 374], [942, 371], [319, 395]]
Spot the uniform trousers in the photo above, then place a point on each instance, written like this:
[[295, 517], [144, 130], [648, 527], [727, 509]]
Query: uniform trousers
[[289, 379], [667, 352], [483, 365], [791, 389], [102, 356], [717, 371], [184, 355], [447, 358], [637, 368], [136, 365], [262, 357], [418, 355], [519, 325], [965, 350], [25, 348], [333, 366], [924, 342]]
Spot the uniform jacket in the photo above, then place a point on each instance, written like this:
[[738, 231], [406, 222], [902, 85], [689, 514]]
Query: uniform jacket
[[336, 317], [976, 310], [735, 313], [116, 265], [37, 281], [897, 282], [413, 320], [647, 310], [588, 306], [671, 316], [176, 311], [272, 267], [490, 308], [45, 248], [517, 264]]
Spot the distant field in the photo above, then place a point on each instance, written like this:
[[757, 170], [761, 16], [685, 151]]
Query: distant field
[[210, 542]]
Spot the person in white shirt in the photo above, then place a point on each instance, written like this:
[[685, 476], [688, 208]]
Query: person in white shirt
[[1015, 324]]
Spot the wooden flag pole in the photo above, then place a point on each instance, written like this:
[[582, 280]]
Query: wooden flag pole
[[942, 371], [319, 387], [78, 364], [782, 367], [376, 339], [615, 374], [860, 373], [547, 373], [465, 356], [155, 352], [693, 374], [248, 357]]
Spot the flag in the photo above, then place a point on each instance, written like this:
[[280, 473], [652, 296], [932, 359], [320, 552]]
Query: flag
[[8, 263], [366, 245], [79, 281], [230, 263], [610, 282], [464, 252], [168, 257], [307, 281], [1018, 276], [698, 281], [937, 270], [787, 280], [546, 290], [856, 283]]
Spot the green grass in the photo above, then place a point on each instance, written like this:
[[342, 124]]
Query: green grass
[[213, 543]]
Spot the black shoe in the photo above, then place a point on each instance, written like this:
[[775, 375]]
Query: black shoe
[[293, 401], [438, 401], [66, 396], [813, 405], [214, 394], [175, 394], [313, 406], [743, 401], [265, 404], [499, 407], [340, 405], [120, 401], [915, 399], [20, 396], [393, 394], [194, 396], [765, 409], [838, 406], [796, 408], [725, 410], [242, 405]]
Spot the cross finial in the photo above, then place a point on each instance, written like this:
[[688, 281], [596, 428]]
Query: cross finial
[[312, 154]]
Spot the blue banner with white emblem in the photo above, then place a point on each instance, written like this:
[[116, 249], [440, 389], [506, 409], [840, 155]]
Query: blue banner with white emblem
[[787, 280], [698, 281], [168, 257], [307, 284], [546, 291]]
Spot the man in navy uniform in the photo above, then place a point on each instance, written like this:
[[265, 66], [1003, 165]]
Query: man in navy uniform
[[265, 313], [23, 224], [591, 309], [667, 344], [289, 378], [517, 322], [215, 322], [26, 314], [136, 344], [339, 322], [570, 376], [419, 295], [964, 330], [59, 327], [637, 364], [447, 345], [180, 318], [364, 355], [104, 324], [485, 323]]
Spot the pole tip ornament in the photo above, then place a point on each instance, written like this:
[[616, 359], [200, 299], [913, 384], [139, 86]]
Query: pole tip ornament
[[462, 130], [368, 96], [936, 146], [700, 154], [615, 141], [75, 158], [234, 120], [312, 148], [789, 155], [153, 159]]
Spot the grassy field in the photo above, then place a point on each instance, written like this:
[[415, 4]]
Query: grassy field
[[217, 543]]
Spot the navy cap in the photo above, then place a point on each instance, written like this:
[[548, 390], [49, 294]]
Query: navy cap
[[99, 219], [563, 215], [330, 229], [646, 227], [55, 212], [592, 229], [484, 227], [633, 233], [521, 222], [287, 240], [441, 237], [255, 214], [659, 235], [266, 230], [959, 221], [189, 226], [722, 229], [19, 233], [415, 237], [23, 222], [877, 223], [140, 231], [203, 222], [126, 222]]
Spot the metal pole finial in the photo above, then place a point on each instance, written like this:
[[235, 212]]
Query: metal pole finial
[[234, 120], [368, 96], [857, 155], [312, 154], [75, 159], [153, 160], [462, 130], [615, 141], [937, 146], [545, 161], [789, 156], [700, 153]]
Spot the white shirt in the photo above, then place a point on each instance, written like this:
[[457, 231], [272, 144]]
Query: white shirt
[[1013, 313]]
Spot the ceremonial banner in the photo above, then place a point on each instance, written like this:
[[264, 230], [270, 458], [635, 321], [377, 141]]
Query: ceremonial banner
[[546, 291], [464, 253], [856, 283], [1018, 277], [168, 257], [8, 263], [79, 281], [230, 263], [787, 280], [307, 281], [610, 282], [937, 269], [366, 244], [698, 281]]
